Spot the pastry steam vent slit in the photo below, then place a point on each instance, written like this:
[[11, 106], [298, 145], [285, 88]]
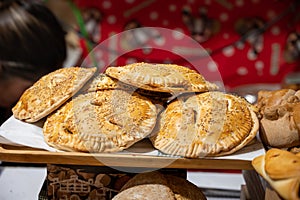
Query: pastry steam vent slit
[[115, 122], [68, 131]]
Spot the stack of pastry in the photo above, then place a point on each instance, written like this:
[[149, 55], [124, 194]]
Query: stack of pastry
[[281, 169], [180, 111]]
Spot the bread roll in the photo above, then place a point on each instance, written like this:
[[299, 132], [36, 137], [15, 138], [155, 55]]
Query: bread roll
[[155, 185], [274, 167], [281, 164], [279, 116]]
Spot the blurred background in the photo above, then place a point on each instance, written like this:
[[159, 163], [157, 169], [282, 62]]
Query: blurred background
[[252, 44]]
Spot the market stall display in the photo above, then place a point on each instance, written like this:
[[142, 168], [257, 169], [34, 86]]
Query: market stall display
[[75, 130], [201, 122]]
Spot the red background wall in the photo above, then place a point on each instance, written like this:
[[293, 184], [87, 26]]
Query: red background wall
[[232, 57]]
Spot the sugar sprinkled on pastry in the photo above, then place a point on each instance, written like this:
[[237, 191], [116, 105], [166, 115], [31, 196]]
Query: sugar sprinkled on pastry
[[102, 121], [205, 124], [50, 92], [161, 77]]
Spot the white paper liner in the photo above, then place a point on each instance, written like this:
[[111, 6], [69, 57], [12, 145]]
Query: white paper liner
[[16, 132], [19, 133]]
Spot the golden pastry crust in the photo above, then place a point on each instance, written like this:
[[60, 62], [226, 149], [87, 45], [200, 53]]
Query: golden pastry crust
[[288, 187], [161, 77], [102, 121], [50, 92], [282, 164], [206, 124], [103, 82]]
